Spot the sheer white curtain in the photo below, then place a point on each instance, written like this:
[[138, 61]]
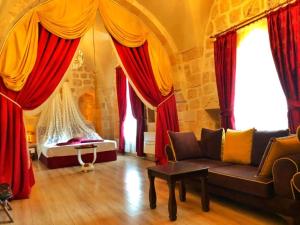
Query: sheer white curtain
[[129, 126], [61, 121], [259, 98]]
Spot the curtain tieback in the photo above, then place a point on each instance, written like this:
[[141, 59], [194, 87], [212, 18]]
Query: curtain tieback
[[165, 100], [293, 104], [226, 112], [8, 98]]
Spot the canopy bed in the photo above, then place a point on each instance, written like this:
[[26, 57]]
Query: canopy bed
[[36, 54], [63, 135]]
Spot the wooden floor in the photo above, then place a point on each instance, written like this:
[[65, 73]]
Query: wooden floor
[[117, 193]]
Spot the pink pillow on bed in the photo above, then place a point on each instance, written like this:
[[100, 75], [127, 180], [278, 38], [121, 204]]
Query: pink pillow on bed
[[91, 140], [62, 143], [77, 140], [73, 140]]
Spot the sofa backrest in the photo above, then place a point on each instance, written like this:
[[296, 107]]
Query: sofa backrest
[[260, 142]]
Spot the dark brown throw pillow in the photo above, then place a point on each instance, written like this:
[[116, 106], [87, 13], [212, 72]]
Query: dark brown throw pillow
[[184, 145], [260, 143], [211, 143]]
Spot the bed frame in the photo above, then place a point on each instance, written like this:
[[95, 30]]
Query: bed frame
[[71, 160]]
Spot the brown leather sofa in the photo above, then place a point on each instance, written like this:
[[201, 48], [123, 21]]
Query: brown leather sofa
[[279, 194]]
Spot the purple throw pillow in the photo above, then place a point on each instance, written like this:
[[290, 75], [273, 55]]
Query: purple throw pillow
[[184, 145]]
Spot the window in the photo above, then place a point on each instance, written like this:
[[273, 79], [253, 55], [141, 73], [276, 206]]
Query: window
[[130, 125], [259, 98]]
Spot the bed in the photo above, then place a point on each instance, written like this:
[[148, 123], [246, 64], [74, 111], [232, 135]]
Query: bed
[[61, 120], [55, 156]]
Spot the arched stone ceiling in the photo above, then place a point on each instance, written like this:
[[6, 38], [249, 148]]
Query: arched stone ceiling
[[185, 20]]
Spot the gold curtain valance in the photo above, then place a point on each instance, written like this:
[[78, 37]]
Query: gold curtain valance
[[71, 19], [64, 18], [161, 65], [68, 19], [18, 53], [124, 26]]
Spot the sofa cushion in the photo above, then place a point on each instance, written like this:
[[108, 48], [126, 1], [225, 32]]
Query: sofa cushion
[[209, 163], [277, 148], [184, 145], [238, 146], [260, 143], [211, 143], [241, 178]]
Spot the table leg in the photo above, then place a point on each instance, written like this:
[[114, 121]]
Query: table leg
[[182, 191], [152, 193], [5, 207], [95, 155], [86, 166], [79, 157], [172, 201], [204, 195]]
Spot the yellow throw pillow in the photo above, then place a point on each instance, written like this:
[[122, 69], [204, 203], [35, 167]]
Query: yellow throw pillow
[[238, 146], [298, 133], [277, 148]]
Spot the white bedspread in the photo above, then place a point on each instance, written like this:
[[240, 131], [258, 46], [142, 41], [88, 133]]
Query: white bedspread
[[66, 150]]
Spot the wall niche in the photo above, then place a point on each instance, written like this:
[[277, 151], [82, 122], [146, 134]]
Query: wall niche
[[87, 105]]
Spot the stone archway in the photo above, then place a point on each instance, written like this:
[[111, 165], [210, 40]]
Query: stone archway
[[12, 11], [152, 23], [20, 7]]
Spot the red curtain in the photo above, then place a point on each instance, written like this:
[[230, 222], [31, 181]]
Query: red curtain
[[53, 58], [167, 119], [137, 108], [284, 35], [122, 104], [225, 68], [138, 66]]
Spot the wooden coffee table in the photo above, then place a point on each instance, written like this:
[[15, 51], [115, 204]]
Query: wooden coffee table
[[178, 171]]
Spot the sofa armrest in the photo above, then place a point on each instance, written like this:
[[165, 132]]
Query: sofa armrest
[[170, 153], [295, 183], [283, 171]]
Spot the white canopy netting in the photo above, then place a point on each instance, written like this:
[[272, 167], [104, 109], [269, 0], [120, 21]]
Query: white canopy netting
[[61, 120]]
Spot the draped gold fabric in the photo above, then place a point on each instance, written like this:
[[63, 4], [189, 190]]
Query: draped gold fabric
[[19, 52], [161, 65], [128, 30], [68, 19], [71, 19], [125, 27]]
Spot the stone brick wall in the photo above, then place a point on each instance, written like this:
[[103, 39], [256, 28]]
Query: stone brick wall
[[107, 123], [195, 83], [82, 84], [95, 92], [81, 80]]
